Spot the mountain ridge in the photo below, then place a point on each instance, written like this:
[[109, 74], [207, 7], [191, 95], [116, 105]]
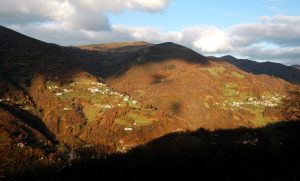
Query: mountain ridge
[[287, 73], [296, 66]]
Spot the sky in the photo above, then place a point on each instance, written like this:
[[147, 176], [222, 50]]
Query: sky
[[261, 30]]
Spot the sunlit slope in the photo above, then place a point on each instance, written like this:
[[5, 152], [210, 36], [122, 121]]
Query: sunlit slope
[[204, 92]]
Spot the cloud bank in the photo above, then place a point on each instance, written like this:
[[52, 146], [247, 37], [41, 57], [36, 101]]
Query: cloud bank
[[73, 22], [274, 38]]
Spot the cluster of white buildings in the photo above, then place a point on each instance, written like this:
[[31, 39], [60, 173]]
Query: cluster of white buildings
[[20, 145], [52, 87], [64, 91], [6, 99], [68, 90], [59, 94], [108, 106], [251, 101], [105, 90], [67, 108], [251, 141], [94, 90], [128, 129], [99, 84], [98, 88]]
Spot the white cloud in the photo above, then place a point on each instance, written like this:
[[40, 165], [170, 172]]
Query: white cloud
[[73, 22], [149, 34], [64, 35], [263, 53], [150, 5], [203, 39], [208, 39], [53, 11], [77, 14], [282, 30], [274, 38]]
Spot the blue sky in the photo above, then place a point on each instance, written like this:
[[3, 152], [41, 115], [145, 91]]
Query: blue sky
[[220, 13], [262, 30]]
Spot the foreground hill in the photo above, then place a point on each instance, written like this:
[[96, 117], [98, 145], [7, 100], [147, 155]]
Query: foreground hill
[[64, 104], [288, 73]]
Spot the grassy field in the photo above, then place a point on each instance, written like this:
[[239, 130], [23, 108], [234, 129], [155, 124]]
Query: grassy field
[[124, 121], [134, 119], [139, 119]]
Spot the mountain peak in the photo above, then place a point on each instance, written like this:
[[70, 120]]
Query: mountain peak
[[228, 57], [169, 43], [170, 50]]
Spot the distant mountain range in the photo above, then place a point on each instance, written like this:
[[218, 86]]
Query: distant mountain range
[[288, 73], [296, 66]]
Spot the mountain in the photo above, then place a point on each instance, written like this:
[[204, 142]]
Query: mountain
[[288, 73], [119, 45], [52, 104], [201, 91], [296, 66], [64, 104]]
